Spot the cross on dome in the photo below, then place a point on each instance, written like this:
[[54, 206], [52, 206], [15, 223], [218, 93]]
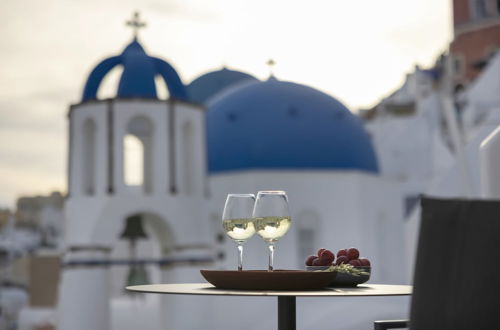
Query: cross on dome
[[136, 24], [271, 63]]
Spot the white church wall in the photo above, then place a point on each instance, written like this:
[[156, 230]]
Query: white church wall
[[186, 311], [83, 301], [97, 112], [81, 216], [382, 228], [184, 217], [139, 312], [190, 149], [403, 147]]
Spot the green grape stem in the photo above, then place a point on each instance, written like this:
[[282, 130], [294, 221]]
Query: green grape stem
[[344, 268]]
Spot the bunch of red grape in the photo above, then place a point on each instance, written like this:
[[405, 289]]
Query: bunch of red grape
[[326, 257]]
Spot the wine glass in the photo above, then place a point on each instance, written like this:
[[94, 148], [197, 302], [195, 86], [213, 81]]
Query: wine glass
[[237, 220], [271, 218]]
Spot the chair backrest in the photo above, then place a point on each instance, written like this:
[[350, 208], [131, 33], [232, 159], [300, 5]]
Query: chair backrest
[[457, 270]]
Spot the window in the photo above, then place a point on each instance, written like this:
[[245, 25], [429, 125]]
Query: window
[[492, 7], [138, 154], [479, 8], [485, 8], [458, 65], [188, 159], [133, 158], [89, 157], [308, 229]]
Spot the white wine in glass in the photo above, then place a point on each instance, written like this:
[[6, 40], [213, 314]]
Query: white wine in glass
[[237, 220], [271, 218], [272, 228]]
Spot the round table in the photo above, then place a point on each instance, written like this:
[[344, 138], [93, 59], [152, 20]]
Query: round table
[[286, 299]]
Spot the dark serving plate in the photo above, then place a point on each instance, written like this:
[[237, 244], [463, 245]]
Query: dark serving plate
[[264, 280], [345, 279]]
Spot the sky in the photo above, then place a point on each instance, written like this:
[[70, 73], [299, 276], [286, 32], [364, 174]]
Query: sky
[[357, 51]]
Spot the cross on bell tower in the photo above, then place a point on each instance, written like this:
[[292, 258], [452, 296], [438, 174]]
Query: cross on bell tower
[[136, 24]]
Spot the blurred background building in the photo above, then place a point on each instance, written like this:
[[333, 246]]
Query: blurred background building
[[476, 28]]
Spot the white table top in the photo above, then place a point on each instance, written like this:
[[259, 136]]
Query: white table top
[[209, 289]]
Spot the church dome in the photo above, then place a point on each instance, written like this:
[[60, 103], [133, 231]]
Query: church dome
[[205, 86], [284, 125], [138, 77]]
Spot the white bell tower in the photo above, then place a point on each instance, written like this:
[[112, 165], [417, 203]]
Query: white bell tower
[[167, 188]]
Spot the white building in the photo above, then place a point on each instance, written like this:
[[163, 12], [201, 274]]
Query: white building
[[170, 195], [417, 147]]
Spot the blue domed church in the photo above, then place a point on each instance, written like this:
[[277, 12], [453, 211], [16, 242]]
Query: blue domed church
[[169, 165], [283, 125]]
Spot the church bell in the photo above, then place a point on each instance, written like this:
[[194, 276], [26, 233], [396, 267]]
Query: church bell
[[133, 231]]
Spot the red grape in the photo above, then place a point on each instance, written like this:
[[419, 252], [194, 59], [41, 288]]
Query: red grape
[[320, 251], [310, 259], [318, 262], [353, 253], [325, 260], [354, 262], [342, 252], [342, 260], [327, 257], [364, 262]]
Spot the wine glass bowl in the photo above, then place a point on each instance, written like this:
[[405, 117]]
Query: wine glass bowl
[[270, 228], [271, 218], [237, 220]]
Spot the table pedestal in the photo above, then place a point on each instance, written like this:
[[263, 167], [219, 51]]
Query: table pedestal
[[286, 313]]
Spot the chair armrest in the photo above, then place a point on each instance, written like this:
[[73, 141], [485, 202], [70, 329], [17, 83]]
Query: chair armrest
[[390, 324]]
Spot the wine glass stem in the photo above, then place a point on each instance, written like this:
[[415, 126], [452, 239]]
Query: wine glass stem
[[240, 256], [271, 256]]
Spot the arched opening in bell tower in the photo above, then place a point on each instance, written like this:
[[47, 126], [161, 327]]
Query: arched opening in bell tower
[[108, 85], [161, 88], [138, 154], [89, 157], [187, 158], [141, 245], [142, 238], [134, 165]]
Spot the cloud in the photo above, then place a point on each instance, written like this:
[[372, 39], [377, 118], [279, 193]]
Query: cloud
[[356, 50], [198, 11]]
